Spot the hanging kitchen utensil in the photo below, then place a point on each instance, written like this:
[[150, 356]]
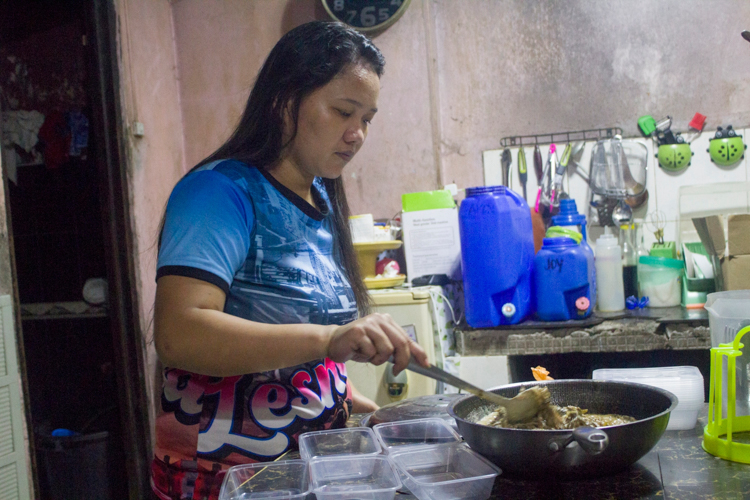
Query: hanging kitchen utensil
[[505, 162], [545, 186], [622, 214], [538, 165], [576, 154], [618, 168], [522, 174], [656, 223], [557, 188]]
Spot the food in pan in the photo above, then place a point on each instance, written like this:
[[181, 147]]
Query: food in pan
[[554, 417]]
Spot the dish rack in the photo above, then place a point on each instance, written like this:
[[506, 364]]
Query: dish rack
[[719, 433]]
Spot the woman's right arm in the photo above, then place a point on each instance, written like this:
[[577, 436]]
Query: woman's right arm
[[192, 332]]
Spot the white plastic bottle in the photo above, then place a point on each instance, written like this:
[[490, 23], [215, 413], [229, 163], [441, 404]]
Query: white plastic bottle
[[609, 284]]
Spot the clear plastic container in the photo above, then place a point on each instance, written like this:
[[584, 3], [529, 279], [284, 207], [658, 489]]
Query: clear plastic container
[[352, 441], [353, 477], [287, 479], [660, 279], [421, 432], [728, 313], [685, 382], [446, 472]]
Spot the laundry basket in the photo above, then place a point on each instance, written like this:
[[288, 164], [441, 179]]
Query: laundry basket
[[720, 434]]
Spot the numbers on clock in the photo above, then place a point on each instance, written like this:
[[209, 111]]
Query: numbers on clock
[[366, 15]]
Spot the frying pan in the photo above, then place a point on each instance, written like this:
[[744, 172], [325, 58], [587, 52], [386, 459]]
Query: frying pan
[[565, 454]]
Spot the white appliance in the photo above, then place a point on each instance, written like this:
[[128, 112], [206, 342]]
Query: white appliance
[[421, 311], [408, 307]]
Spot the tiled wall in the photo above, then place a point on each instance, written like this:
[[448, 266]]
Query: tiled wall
[[663, 186]]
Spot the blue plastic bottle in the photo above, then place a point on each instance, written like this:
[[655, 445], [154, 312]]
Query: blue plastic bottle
[[497, 256], [569, 216], [561, 280]]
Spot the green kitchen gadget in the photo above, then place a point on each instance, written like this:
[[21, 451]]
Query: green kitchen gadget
[[726, 148], [674, 157]]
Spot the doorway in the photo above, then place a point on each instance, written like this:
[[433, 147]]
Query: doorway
[[79, 337]]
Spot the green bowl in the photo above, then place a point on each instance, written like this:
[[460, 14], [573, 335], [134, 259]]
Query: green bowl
[[674, 157]]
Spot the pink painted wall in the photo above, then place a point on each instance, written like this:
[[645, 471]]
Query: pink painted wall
[[221, 46], [150, 96]]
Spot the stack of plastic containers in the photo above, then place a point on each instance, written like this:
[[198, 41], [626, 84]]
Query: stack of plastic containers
[[426, 456], [433, 462], [348, 463], [685, 382]]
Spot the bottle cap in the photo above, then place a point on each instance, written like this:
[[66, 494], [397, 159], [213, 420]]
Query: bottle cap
[[568, 214]]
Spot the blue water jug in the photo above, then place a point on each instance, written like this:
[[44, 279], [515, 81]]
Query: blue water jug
[[561, 280], [497, 253], [569, 216]]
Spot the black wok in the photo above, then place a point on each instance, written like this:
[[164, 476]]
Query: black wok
[[542, 454]]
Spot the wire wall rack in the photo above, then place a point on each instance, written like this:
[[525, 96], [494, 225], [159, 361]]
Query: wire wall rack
[[593, 134]]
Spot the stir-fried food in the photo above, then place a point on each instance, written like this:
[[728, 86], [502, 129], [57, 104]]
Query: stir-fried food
[[554, 417]]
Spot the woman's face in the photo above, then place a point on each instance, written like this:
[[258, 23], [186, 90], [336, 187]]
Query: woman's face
[[332, 123]]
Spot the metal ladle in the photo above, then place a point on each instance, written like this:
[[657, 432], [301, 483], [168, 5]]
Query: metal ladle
[[622, 213]]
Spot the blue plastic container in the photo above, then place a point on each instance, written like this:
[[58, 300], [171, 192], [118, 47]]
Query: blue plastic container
[[497, 253], [561, 280], [568, 216]]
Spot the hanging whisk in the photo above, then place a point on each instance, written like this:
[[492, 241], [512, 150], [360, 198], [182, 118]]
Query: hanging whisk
[[656, 223]]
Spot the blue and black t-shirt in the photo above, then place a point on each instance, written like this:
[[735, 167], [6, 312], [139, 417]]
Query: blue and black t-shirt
[[273, 254]]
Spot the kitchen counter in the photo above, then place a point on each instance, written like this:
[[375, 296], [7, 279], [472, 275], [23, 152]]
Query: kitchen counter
[[647, 329], [676, 468]]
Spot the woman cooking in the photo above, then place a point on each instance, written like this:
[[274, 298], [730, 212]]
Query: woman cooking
[[259, 300]]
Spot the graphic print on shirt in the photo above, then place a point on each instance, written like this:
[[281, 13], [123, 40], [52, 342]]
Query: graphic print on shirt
[[258, 416], [290, 275]]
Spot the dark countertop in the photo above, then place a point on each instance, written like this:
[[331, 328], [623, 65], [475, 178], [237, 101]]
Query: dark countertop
[[646, 329], [676, 468]]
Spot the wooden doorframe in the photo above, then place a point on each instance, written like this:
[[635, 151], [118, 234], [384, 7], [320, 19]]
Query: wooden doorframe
[[127, 336]]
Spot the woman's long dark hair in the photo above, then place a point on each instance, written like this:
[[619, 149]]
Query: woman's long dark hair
[[305, 59]]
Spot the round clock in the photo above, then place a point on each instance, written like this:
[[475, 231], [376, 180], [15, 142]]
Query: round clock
[[366, 15]]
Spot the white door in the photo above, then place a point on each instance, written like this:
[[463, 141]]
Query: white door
[[14, 478]]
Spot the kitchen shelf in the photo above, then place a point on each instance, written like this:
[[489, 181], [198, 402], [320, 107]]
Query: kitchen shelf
[[62, 310]]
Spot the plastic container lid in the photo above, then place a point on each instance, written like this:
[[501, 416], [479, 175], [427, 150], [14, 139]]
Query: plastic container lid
[[685, 382], [446, 471], [287, 479], [354, 476], [353, 441], [409, 433], [661, 262], [480, 190]]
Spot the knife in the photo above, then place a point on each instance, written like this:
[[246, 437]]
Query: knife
[[505, 161], [522, 170]]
